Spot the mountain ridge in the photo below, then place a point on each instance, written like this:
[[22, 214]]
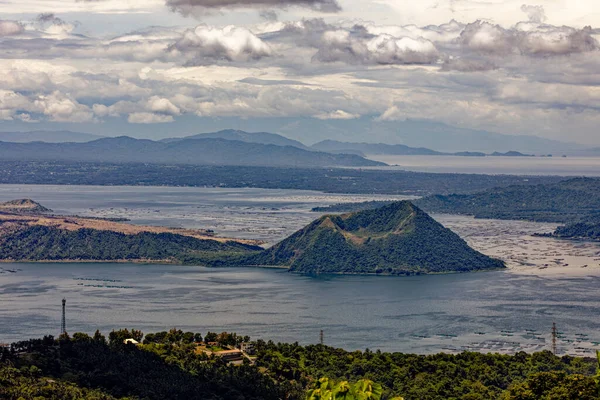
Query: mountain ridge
[[243, 136], [124, 149], [397, 239]]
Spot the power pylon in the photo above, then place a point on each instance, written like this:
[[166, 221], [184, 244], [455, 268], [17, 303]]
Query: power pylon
[[63, 325], [554, 333]]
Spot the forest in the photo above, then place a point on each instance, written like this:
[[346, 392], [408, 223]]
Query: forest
[[332, 180], [166, 365], [396, 239], [569, 201], [38, 242]]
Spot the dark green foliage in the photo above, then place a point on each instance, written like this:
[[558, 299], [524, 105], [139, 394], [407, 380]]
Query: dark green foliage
[[396, 239], [167, 366], [28, 384], [554, 386], [352, 207], [49, 243], [567, 201], [149, 372], [332, 180], [468, 376], [581, 230]]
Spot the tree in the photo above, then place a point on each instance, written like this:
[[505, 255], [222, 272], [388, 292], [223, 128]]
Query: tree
[[364, 389]]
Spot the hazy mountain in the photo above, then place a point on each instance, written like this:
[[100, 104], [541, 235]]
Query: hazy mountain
[[248, 137], [334, 146], [566, 201], [416, 133], [188, 151], [48, 137], [397, 239]]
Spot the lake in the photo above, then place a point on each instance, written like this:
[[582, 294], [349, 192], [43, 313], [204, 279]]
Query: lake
[[415, 314], [355, 312], [561, 166]]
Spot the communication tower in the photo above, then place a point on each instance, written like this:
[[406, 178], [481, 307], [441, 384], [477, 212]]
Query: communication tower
[[321, 337], [63, 325], [554, 333]]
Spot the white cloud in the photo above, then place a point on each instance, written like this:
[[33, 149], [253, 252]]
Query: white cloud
[[60, 107], [9, 28], [230, 43], [148, 118], [342, 45], [337, 114]]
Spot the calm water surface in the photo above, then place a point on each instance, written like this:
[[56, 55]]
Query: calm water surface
[[355, 312], [568, 166], [417, 314]]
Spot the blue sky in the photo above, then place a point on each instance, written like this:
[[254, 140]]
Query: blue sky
[[156, 68]]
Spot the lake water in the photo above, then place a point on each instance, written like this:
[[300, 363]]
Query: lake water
[[568, 166], [416, 314], [397, 314]]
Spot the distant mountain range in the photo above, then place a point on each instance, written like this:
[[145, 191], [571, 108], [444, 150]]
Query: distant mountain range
[[334, 146], [331, 146], [438, 136], [397, 239], [248, 137], [185, 151], [48, 137]]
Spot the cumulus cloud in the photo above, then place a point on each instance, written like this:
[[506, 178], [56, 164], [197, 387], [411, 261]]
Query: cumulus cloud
[[230, 43], [9, 28], [60, 107], [148, 118], [541, 40], [342, 45], [535, 14], [192, 7], [337, 114]]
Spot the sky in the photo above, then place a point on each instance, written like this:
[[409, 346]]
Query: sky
[[158, 68]]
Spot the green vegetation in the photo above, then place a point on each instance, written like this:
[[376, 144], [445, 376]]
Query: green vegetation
[[568, 201], [352, 207], [396, 239], [36, 242], [167, 366], [581, 230], [466, 376], [332, 180]]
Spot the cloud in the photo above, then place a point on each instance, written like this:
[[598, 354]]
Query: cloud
[[148, 118], [207, 44], [535, 14], [468, 65], [163, 106], [9, 28], [342, 45], [194, 7], [337, 114], [538, 40], [60, 107]]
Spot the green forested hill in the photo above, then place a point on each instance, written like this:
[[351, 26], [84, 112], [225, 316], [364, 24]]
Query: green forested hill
[[395, 239], [581, 230], [169, 366], [565, 201], [34, 243]]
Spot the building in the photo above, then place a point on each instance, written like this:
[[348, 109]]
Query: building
[[247, 347], [131, 341], [230, 355]]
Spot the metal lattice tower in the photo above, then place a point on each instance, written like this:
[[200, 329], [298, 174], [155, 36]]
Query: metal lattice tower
[[321, 337], [554, 333], [63, 325]]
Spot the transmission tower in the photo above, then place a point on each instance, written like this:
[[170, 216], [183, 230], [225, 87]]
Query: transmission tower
[[321, 337], [554, 333], [63, 325]]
